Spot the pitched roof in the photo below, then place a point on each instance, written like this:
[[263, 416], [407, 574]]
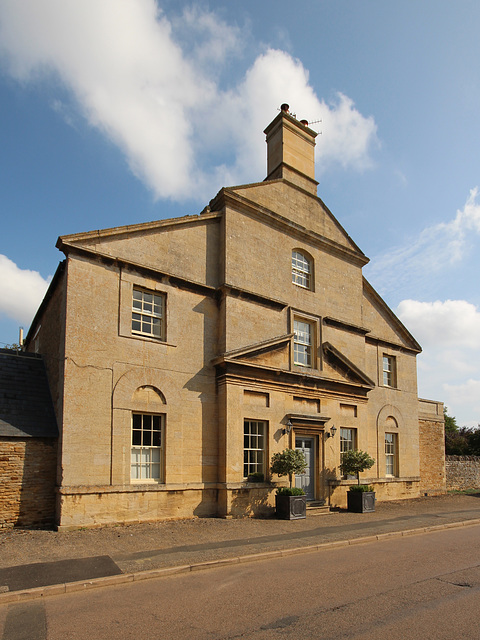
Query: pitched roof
[[26, 408]]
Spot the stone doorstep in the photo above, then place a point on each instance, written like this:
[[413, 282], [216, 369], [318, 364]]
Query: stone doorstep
[[317, 508]]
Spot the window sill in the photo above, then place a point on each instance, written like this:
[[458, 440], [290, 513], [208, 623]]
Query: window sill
[[335, 482], [146, 338]]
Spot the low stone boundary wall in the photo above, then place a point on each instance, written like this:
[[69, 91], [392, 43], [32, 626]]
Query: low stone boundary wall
[[463, 472], [27, 481]]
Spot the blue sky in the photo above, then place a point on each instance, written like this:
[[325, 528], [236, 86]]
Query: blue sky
[[115, 112]]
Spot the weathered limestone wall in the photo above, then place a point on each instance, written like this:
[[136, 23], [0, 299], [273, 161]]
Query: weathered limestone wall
[[432, 447], [27, 481], [463, 472], [100, 505]]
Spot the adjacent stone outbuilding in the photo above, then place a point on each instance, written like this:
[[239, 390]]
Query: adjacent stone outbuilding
[[28, 442]]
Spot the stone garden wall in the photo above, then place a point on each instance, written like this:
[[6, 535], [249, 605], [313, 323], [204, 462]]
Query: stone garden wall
[[463, 472], [27, 481]]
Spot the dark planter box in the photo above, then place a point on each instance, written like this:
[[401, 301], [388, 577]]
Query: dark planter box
[[361, 501], [291, 507]]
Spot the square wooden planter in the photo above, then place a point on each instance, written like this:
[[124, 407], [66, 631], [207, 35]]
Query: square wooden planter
[[290, 507], [361, 501]]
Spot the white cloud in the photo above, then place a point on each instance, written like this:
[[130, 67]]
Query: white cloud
[[453, 323], [449, 367], [21, 291], [152, 85]]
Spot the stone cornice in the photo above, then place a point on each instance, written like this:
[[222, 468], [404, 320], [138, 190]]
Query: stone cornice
[[196, 219], [227, 197], [238, 372], [236, 292], [402, 329], [347, 326]]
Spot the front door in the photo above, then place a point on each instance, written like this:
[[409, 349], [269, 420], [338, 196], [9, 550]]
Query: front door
[[306, 480]]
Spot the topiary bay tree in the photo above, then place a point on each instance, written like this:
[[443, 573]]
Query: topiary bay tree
[[355, 462], [288, 463]]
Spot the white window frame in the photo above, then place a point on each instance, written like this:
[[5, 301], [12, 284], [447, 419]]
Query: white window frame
[[348, 442], [301, 269], [254, 446], [303, 342], [348, 439], [389, 370], [148, 313], [391, 454], [146, 457]]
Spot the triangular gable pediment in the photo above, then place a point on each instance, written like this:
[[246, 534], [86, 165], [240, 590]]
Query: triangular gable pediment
[[343, 367], [160, 246], [383, 324], [305, 211], [273, 353]]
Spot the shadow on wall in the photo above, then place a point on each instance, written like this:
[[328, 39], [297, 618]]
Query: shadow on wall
[[203, 384], [247, 502], [207, 508], [36, 501]]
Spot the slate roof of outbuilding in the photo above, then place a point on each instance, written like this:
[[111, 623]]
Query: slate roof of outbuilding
[[26, 408]]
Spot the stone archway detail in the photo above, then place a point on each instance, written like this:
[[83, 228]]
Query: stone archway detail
[[389, 411], [140, 384], [149, 394]]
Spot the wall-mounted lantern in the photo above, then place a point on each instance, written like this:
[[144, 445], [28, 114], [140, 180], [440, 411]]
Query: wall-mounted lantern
[[288, 428], [333, 431]]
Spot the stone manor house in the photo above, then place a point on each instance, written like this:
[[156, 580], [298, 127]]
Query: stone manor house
[[181, 354]]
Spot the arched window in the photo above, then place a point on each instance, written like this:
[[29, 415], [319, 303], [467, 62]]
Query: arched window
[[301, 269], [147, 447], [148, 434]]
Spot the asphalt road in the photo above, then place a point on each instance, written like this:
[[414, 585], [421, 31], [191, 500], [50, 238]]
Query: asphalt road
[[422, 586]]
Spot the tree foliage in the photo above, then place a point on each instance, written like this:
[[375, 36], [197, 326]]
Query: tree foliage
[[460, 441], [450, 422], [288, 462], [354, 462]]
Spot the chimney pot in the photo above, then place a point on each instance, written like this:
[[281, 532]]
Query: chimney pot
[[285, 107], [304, 122]]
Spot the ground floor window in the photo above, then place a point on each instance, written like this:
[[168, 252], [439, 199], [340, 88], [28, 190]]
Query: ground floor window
[[391, 454], [147, 443], [348, 440], [253, 447]]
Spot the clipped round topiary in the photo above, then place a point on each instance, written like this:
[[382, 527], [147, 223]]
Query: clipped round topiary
[[288, 462], [355, 462]]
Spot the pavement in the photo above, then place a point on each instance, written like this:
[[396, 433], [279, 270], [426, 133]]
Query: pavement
[[38, 563]]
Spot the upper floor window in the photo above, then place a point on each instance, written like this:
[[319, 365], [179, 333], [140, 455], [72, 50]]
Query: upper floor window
[[148, 313], [302, 343], [301, 270], [389, 371]]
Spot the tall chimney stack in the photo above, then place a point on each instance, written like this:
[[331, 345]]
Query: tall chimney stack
[[291, 150]]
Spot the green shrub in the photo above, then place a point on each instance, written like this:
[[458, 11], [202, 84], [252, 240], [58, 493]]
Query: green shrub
[[256, 477], [288, 462], [290, 491], [354, 462], [361, 487]]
